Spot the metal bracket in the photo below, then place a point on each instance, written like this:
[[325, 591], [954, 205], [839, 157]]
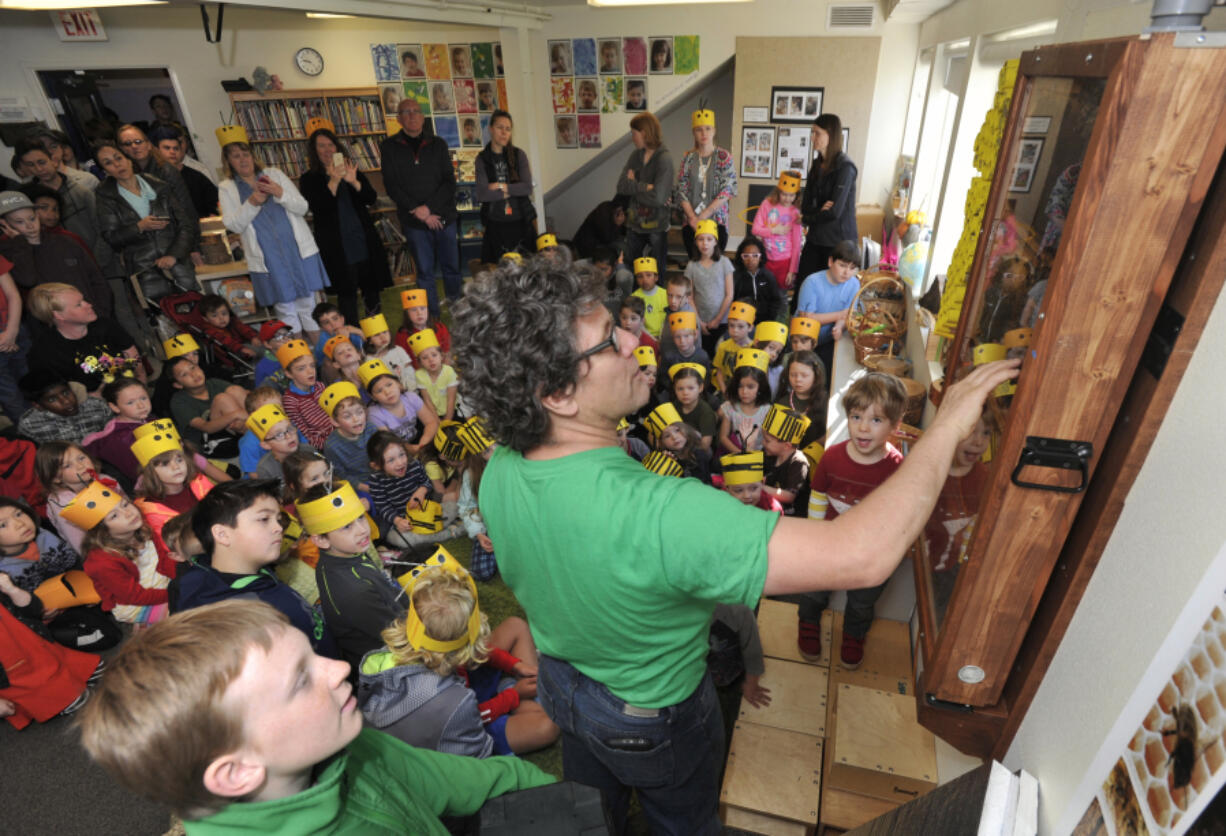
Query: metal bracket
[[1200, 40], [1161, 342], [1054, 452], [933, 701]]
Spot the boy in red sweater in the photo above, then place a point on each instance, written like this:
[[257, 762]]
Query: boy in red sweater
[[301, 398]]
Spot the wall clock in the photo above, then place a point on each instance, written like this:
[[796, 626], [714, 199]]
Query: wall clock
[[309, 61]]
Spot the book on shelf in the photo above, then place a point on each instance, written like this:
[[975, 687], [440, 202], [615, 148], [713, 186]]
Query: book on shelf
[[400, 262], [389, 233]]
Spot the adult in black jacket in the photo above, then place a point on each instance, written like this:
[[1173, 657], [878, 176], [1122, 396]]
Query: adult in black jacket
[[146, 159], [350, 247], [753, 281], [605, 226], [159, 241], [829, 206], [418, 176], [504, 189]]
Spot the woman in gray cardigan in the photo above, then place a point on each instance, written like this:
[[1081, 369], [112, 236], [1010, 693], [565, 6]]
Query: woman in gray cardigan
[[648, 180]]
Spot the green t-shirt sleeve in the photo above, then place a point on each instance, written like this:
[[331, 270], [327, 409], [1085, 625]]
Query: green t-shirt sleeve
[[458, 786]]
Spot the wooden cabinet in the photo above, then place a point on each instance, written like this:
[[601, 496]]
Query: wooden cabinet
[[1110, 151]]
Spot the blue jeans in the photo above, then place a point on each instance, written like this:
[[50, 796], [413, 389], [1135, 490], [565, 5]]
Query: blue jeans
[[12, 369], [671, 756], [431, 247]]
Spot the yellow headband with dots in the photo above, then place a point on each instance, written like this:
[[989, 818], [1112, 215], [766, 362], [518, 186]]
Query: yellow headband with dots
[[264, 419], [682, 321], [90, 506], [178, 345], [149, 447], [803, 326], [771, 332], [743, 311], [372, 325], [676, 368], [755, 358], [337, 392], [421, 340], [414, 629], [336, 510], [161, 425], [646, 264], [371, 369], [646, 355]]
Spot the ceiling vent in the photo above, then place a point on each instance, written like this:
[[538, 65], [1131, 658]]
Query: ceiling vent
[[850, 17]]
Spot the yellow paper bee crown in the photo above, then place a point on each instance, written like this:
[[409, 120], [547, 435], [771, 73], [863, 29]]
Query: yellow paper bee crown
[[427, 519], [646, 355], [785, 424], [413, 298], [316, 122], [422, 340], [178, 345], [231, 133], [334, 394], [148, 448], [743, 311], [371, 369], [754, 358], [291, 351], [336, 510], [662, 416], [447, 441], [682, 321], [474, 436], [415, 630], [707, 227], [646, 264], [90, 506], [546, 240], [657, 461], [372, 325], [803, 326], [264, 419], [771, 332], [702, 117], [742, 468], [162, 425], [676, 368], [789, 182]]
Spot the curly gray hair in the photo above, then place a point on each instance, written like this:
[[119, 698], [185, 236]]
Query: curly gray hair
[[515, 343]]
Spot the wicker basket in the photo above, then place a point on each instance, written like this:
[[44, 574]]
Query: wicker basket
[[877, 320], [917, 393], [887, 364]]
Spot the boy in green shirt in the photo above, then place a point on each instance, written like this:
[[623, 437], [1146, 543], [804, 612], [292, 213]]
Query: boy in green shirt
[[251, 732], [655, 298]]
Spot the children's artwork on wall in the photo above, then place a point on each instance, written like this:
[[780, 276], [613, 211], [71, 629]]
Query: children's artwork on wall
[[612, 93], [383, 56], [560, 61], [585, 56], [437, 63], [634, 54], [589, 130], [685, 54], [498, 70], [419, 91], [442, 100], [465, 95], [483, 60], [609, 51], [447, 129], [587, 95], [563, 95], [390, 95], [502, 94], [487, 96], [470, 131], [565, 132], [757, 150], [461, 60], [661, 56], [485, 128], [409, 60], [636, 94]]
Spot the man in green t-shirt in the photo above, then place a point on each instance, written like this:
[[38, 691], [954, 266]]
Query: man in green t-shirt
[[619, 569]]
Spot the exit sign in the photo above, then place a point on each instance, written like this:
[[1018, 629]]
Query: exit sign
[[78, 25]]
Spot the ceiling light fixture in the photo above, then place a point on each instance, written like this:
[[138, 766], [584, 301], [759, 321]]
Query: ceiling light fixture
[[326, 16], [1030, 30]]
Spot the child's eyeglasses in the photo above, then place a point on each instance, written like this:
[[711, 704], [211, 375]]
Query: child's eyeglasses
[[284, 434]]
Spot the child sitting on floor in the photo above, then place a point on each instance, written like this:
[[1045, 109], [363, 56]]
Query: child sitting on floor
[[249, 450], [786, 468], [170, 484], [479, 446], [742, 477], [212, 746], [445, 682], [399, 482], [742, 415], [417, 318], [630, 318], [64, 470], [301, 399], [346, 447], [268, 371], [687, 379], [130, 404], [681, 441], [342, 360], [278, 439], [379, 346], [741, 318], [208, 412], [436, 381], [395, 409], [332, 324], [654, 297]]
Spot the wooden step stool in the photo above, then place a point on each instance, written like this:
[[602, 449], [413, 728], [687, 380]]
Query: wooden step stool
[[777, 627], [772, 782]]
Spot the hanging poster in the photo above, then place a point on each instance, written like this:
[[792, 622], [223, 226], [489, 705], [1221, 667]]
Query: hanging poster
[[461, 61], [589, 131], [565, 132], [390, 95], [636, 94], [409, 58], [662, 56], [487, 96], [685, 54], [446, 129], [793, 149], [437, 64], [419, 91], [563, 94], [383, 56], [470, 131], [584, 50], [610, 56], [611, 94], [465, 95], [560, 62], [483, 60], [587, 96], [634, 54], [442, 100]]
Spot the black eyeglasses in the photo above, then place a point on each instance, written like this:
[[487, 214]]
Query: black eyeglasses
[[128, 143], [611, 342]]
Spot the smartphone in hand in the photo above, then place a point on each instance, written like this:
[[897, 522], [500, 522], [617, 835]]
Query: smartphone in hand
[[338, 160], [263, 178]]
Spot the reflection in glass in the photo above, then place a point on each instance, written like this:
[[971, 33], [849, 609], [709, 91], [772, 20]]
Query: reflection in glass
[[1005, 296]]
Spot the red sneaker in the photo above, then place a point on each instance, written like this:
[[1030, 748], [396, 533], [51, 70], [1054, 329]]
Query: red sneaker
[[809, 640], [851, 654]]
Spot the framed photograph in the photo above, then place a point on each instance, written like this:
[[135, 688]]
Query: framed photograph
[[565, 132], [465, 95], [383, 56], [589, 130], [755, 114], [419, 91], [1036, 125], [411, 61], [584, 52], [487, 96], [1029, 152], [609, 51], [483, 60], [796, 105], [470, 132], [563, 91], [634, 56], [437, 64], [561, 62], [461, 60], [793, 149], [636, 94], [446, 129], [442, 99], [757, 151], [390, 95], [661, 56], [587, 95]]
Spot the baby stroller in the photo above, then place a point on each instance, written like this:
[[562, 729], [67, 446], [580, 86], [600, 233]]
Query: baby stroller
[[178, 313]]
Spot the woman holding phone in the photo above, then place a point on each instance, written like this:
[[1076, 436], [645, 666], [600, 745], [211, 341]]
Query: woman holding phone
[[143, 220], [339, 196], [269, 213]]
